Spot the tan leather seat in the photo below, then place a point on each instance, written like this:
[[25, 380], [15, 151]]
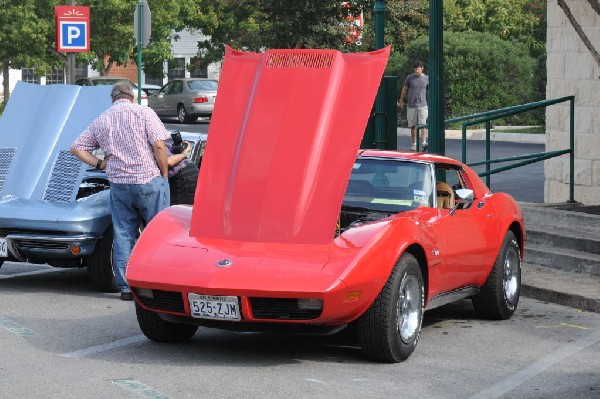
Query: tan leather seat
[[445, 195]]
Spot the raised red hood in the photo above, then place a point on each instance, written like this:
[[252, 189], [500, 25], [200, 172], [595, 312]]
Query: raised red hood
[[283, 137]]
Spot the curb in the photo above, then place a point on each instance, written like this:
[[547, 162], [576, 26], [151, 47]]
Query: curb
[[561, 298]]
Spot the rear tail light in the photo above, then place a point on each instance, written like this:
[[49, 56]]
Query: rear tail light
[[200, 99]]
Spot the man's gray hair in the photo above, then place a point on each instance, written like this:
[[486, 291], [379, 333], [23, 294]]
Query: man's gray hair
[[122, 90]]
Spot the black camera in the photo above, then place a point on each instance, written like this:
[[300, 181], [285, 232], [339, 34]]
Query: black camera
[[178, 144]]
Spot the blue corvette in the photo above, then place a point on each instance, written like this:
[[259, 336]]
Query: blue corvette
[[53, 208]]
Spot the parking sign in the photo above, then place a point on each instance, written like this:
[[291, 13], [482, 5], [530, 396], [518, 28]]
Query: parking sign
[[72, 28]]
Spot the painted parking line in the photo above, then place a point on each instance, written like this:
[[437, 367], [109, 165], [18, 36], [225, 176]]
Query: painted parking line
[[105, 347], [513, 381], [15, 328], [49, 270], [139, 388]]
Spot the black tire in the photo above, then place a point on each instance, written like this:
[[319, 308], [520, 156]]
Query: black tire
[[499, 296], [100, 266], [182, 115], [389, 330], [159, 330]]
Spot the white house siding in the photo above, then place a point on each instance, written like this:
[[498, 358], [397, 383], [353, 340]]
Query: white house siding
[[187, 47], [573, 69]]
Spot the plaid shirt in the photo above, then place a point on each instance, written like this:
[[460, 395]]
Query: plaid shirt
[[126, 132]]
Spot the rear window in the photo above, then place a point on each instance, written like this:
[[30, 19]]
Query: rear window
[[203, 85]]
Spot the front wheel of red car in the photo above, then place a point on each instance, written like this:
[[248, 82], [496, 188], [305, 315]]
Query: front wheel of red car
[[160, 330], [500, 294], [389, 330]]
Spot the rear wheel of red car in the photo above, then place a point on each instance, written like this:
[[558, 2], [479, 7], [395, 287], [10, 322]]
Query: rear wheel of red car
[[99, 264], [500, 294], [390, 328], [160, 330]]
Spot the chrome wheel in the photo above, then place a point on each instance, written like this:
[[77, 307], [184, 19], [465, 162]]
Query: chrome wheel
[[409, 308], [511, 275], [389, 330], [499, 296]]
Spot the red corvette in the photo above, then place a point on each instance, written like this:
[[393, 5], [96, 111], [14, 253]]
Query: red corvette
[[291, 230]]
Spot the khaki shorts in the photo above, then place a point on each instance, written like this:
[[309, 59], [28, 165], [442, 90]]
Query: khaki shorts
[[416, 116]]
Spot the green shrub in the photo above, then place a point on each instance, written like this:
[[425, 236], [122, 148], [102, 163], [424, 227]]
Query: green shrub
[[481, 72]]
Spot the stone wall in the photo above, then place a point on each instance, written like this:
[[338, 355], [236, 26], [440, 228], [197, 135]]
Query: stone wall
[[573, 68]]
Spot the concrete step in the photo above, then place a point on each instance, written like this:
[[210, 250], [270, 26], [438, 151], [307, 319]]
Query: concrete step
[[567, 238], [559, 216], [559, 258]]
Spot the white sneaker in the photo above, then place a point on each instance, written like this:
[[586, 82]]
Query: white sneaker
[[424, 146], [413, 147]]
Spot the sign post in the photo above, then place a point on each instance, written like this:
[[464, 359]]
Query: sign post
[[141, 29], [72, 33]]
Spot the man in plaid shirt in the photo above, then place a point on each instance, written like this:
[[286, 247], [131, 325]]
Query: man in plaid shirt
[[135, 158]]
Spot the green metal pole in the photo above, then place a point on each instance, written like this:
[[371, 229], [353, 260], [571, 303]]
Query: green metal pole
[[572, 148], [437, 143], [139, 49], [380, 141]]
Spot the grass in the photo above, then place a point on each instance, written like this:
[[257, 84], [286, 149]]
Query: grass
[[518, 129]]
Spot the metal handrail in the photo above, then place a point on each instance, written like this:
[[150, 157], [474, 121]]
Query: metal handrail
[[488, 116]]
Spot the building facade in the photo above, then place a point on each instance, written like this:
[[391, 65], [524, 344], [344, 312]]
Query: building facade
[[573, 68]]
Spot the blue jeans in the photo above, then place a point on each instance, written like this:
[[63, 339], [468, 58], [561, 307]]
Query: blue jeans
[[131, 205]]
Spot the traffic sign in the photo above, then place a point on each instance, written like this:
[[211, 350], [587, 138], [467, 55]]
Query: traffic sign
[[72, 28], [142, 30]]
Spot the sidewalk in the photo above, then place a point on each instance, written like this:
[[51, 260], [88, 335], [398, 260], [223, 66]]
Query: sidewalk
[[479, 134], [569, 289]]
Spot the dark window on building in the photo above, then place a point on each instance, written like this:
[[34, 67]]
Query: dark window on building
[[81, 71], [176, 68], [154, 81], [198, 69], [55, 76], [28, 75]]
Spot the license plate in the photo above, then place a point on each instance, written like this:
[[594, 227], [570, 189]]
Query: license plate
[[214, 307], [3, 248]]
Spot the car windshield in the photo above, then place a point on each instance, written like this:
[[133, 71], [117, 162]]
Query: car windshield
[[209, 85], [389, 185]]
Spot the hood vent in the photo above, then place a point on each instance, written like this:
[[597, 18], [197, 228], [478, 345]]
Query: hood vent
[[299, 60], [64, 175], [6, 157]]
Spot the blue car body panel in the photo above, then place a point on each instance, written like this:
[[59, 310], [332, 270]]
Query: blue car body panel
[[40, 215]]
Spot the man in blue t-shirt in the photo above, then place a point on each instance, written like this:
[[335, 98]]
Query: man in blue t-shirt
[[415, 91]]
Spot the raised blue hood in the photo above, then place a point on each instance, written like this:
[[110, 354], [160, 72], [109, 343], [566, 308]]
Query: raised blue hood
[[37, 129]]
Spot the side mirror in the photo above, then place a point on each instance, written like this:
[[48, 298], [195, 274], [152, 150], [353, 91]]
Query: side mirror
[[465, 199], [465, 195]]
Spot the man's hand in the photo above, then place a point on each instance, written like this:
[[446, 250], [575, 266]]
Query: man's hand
[[400, 103]]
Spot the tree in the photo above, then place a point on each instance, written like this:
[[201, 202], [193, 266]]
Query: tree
[[255, 25], [26, 38], [508, 19], [112, 38], [480, 78]]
